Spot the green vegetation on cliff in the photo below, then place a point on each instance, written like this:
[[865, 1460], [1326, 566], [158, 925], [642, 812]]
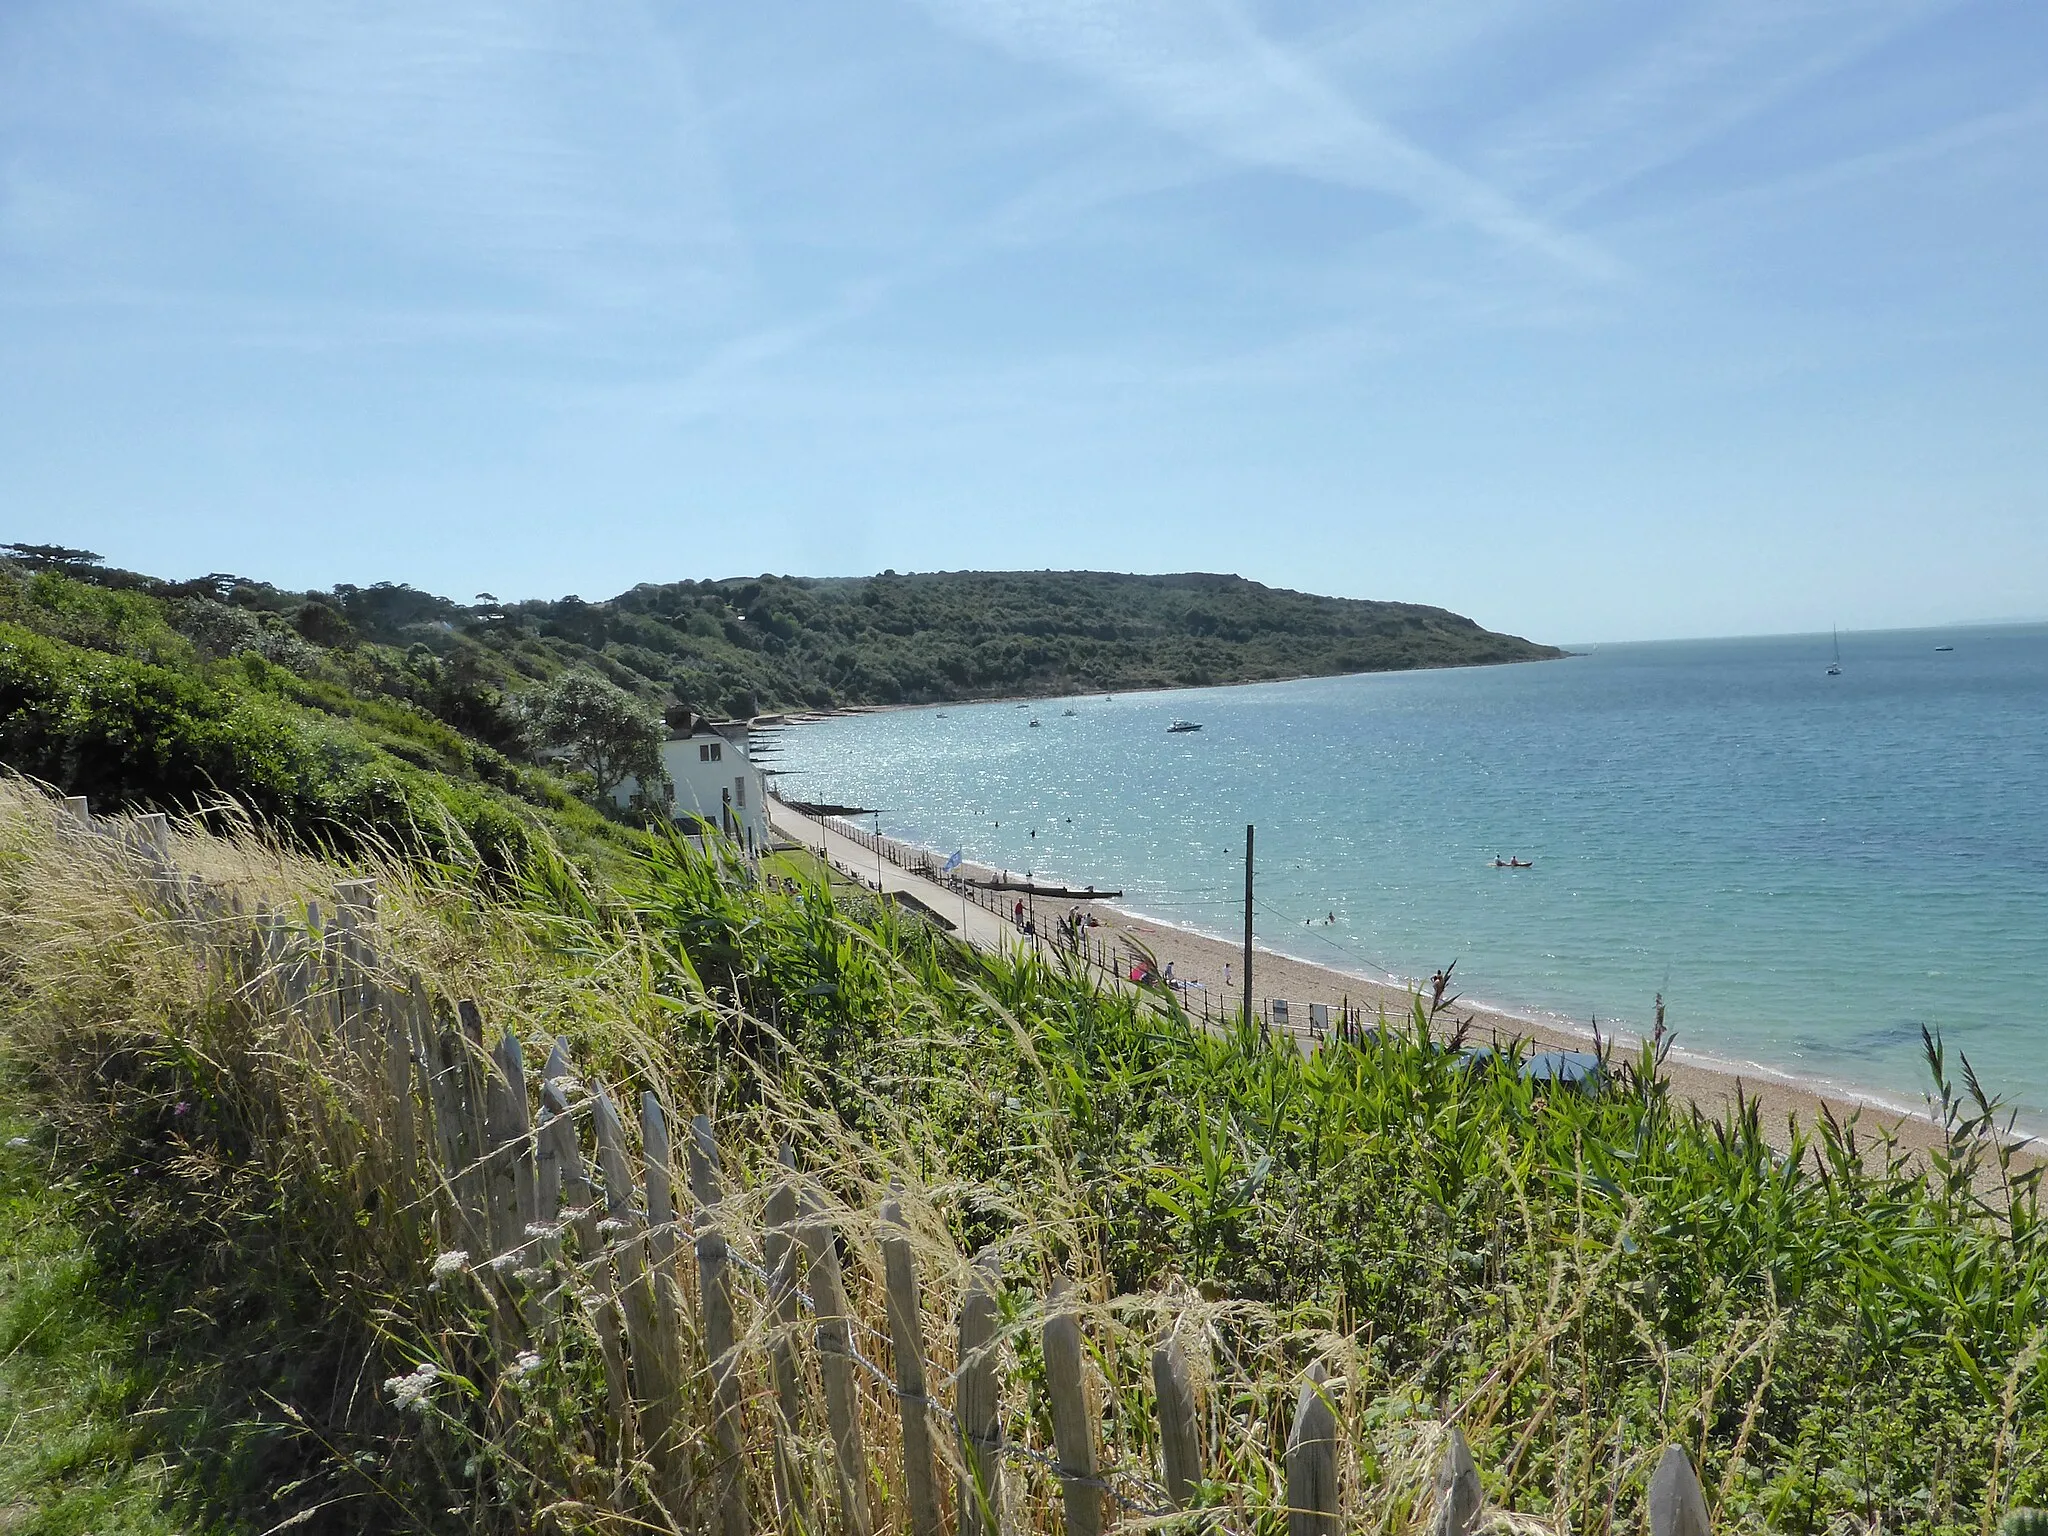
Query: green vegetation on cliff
[[175, 700], [780, 641], [384, 715]]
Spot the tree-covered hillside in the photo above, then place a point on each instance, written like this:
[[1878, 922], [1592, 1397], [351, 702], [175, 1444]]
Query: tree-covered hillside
[[744, 645], [383, 714], [780, 641], [142, 694]]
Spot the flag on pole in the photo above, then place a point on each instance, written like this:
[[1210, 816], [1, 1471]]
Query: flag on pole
[[954, 862]]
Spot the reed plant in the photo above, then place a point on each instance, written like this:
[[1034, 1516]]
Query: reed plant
[[1842, 1336]]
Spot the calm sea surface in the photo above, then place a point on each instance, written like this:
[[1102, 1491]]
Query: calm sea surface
[[1808, 868]]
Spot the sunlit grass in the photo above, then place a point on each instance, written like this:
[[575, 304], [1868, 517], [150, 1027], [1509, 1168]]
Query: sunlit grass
[[1840, 1339]]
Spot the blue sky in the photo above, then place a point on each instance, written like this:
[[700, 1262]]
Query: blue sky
[[1592, 319]]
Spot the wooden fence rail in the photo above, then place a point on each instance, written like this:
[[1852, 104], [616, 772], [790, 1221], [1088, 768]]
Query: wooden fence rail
[[510, 1170]]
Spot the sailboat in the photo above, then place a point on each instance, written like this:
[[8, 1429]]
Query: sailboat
[[1835, 666]]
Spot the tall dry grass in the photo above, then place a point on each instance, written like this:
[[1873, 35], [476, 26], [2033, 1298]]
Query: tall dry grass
[[1840, 1341]]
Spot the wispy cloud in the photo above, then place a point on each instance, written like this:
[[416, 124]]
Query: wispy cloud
[[1804, 187], [1707, 70], [559, 145], [1203, 70]]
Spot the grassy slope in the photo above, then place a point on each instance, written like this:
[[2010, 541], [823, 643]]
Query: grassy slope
[[1843, 1343], [133, 699], [71, 1461]]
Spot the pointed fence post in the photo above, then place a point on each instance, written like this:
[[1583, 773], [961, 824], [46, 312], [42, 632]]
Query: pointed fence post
[[906, 1338], [835, 1352], [396, 1010], [720, 1345], [571, 1177], [1677, 1507], [663, 1283], [79, 809], [654, 1390], [1459, 1495], [657, 1157], [1179, 1439], [445, 1065], [783, 1252], [978, 1404], [154, 833], [548, 1151], [1312, 1462], [466, 1076], [1073, 1431], [508, 1173]]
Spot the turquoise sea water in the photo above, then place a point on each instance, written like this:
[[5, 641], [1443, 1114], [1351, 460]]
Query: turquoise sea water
[[1809, 868]]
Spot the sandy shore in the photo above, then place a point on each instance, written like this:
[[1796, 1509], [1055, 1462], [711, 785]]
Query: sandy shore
[[1201, 964], [1712, 1087]]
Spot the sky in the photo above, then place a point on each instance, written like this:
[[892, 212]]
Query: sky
[[1592, 319]]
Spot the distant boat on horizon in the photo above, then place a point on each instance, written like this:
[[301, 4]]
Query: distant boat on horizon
[[1944, 647], [1835, 666]]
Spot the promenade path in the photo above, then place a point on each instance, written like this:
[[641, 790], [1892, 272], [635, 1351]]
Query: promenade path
[[979, 926]]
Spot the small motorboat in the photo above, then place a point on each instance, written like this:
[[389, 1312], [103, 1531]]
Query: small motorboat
[[1034, 720], [1944, 647], [1181, 727]]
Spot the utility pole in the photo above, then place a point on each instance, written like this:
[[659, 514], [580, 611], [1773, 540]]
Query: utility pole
[[878, 852], [1248, 927]]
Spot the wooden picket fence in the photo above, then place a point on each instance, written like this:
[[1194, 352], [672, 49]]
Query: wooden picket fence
[[529, 1178]]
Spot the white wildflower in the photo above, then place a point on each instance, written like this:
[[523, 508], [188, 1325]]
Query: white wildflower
[[540, 1229], [453, 1262], [525, 1365], [410, 1392], [610, 1227], [504, 1262]]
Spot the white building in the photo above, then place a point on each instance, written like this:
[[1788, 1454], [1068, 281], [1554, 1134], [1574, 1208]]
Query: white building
[[712, 778]]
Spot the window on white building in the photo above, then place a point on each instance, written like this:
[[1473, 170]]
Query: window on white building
[[739, 792], [710, 752]]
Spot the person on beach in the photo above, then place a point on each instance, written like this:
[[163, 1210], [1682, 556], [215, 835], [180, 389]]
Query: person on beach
[[1226, 973]]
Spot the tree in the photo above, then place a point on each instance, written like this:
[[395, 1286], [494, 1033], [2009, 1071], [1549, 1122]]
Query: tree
[[602, 729], [323, 623], [45, 557]]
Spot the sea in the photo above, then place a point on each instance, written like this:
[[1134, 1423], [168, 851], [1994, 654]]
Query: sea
[[1809, 869]]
